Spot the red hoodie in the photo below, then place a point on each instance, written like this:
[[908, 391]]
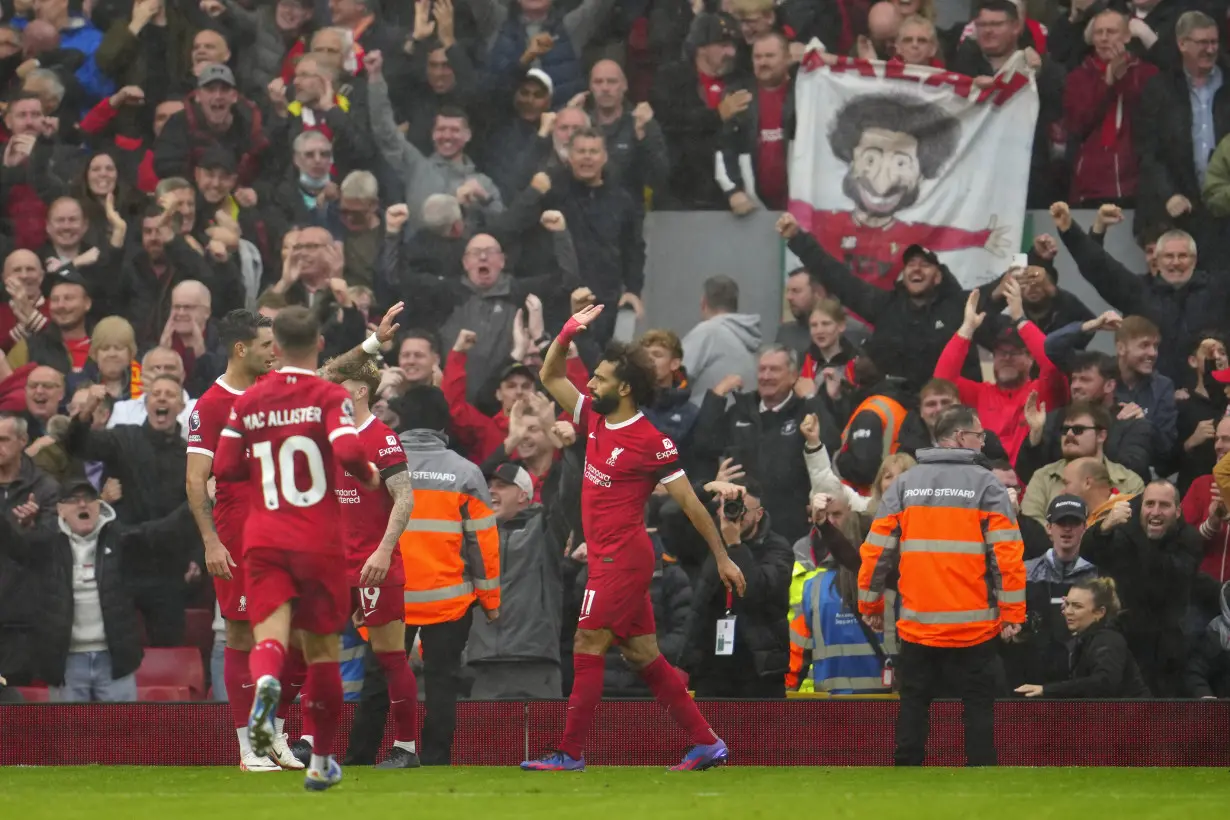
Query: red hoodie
[[1217, 548], [1002, 410]]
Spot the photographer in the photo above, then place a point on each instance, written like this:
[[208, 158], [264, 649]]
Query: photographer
[[749, 658]]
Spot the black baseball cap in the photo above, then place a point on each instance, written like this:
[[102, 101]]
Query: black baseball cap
[[517, 368], [1009, 336], [919, 250], [77, 486], [512, 473], [1065, 507], [710, 29]]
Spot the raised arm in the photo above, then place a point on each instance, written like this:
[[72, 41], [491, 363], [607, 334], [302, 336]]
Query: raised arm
[[554, 372]]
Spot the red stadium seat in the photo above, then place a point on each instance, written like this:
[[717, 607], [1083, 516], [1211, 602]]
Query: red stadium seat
[[174, 666], [34, 694], [163, 693]]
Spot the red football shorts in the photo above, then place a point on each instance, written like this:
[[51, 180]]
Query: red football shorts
[[315, 582], [232, 594], [618, 601], [379, 605]]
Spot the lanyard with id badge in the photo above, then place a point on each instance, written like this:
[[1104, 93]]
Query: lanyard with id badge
[[725, 642]]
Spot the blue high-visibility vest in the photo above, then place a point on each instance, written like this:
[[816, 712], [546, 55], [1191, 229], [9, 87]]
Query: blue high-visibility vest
[[354, 651], [842, 662]]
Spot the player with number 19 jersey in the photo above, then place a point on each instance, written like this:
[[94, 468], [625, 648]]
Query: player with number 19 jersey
[[297, 428]]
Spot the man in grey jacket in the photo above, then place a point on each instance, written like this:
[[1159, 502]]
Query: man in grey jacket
[[724, 344], [517, 657], [447, 171]]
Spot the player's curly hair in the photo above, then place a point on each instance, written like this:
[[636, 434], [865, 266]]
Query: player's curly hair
[[634, 367], [937, 132], [364, 372]]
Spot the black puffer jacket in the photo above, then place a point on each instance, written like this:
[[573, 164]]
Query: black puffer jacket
[[1100, 667], [1208, 666], [150, 466], [918, 331], [762, 630], [1154, 580], [49, 557], [671, 594]]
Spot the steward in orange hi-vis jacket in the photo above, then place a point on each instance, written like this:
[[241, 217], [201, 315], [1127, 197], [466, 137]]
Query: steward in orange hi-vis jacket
[[948, 527]]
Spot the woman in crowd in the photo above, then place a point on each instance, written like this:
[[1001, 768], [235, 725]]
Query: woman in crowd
[[99, 179], [1101, 665], [112, 362]]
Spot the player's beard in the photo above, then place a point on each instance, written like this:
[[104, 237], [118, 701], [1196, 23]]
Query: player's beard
[[851, 188], [605, 405]]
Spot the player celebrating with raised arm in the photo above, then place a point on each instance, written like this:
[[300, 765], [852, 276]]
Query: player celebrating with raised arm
[[298, 428], [372, 524], [625, 458], [248, 341]]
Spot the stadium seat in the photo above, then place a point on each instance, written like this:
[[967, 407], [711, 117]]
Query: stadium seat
[[199, 631], [34, 694], [174, 666], [163, 693]]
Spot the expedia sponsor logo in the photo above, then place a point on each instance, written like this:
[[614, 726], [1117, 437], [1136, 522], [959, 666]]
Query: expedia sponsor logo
[[939, 492], [596, 476], [388, 451]]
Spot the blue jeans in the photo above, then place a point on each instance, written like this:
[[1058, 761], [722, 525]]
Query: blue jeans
[[87, 677], [217, 681]]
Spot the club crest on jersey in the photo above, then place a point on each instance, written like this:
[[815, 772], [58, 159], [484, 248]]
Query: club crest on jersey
[[614, 455], [347, 412], [194, 421], [668, 450]]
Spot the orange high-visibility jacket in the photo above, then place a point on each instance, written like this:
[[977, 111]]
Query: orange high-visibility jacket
[[950, 529], [891, 414], [451, 547]]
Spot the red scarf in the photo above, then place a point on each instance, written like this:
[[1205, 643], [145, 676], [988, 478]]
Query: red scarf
[[1114, 110], [292, 56]]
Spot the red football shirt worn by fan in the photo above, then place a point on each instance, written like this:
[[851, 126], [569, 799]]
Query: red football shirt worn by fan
[[365, 513], [623, 463], [297, 428]]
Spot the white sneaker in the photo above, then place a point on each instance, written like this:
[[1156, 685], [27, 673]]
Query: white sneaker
[[252, 762], [282, 755]]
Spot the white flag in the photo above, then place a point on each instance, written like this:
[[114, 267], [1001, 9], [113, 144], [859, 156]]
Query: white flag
[[888, 155]]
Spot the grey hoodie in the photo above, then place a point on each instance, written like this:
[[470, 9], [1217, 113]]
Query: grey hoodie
[[424, 176], [88, 634], [719, 347]]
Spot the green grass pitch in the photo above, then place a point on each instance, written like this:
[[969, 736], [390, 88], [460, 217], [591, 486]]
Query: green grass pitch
[[129, 793]]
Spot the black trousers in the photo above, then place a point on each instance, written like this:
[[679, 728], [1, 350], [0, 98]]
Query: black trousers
[[971, 674], [161, 602], [442, 648]]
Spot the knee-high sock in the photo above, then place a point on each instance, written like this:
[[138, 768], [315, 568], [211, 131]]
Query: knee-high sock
[[267, 658], [586, 694], [403, 694], [239, 689], [322, 703], [294, 673], [668, 689]]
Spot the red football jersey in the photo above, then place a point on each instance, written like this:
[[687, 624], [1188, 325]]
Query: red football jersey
[[207, 421], [297, 428], [365, 513], [623, 463]]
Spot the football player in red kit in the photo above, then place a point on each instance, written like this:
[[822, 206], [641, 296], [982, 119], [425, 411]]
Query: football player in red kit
[[372, 524], [248, 341], [300, 431], [626, 457]]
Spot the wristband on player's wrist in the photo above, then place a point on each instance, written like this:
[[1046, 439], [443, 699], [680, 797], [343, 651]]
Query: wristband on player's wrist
[[371, 345]]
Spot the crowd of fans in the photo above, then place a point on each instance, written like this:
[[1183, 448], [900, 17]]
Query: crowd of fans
[[490, 162]]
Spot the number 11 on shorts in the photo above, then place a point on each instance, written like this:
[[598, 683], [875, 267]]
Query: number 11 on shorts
[[587, 603]]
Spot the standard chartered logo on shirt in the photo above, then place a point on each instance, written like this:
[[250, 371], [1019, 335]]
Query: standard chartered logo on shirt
[[939, 492]]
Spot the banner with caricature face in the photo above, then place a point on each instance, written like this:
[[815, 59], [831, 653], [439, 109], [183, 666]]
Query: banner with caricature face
[[888, 155]]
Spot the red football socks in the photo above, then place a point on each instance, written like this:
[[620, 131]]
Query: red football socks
[[322, 703], [586, 694], [239, 688], [294, 673], [668, 689], [267, 658], [403, 694]]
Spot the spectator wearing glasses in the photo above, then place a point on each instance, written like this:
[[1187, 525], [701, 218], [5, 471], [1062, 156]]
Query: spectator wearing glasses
[[362, 231], [1084, 436], [309, 196]]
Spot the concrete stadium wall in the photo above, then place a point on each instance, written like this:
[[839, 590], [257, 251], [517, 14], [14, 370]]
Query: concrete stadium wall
[[685, 248]]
